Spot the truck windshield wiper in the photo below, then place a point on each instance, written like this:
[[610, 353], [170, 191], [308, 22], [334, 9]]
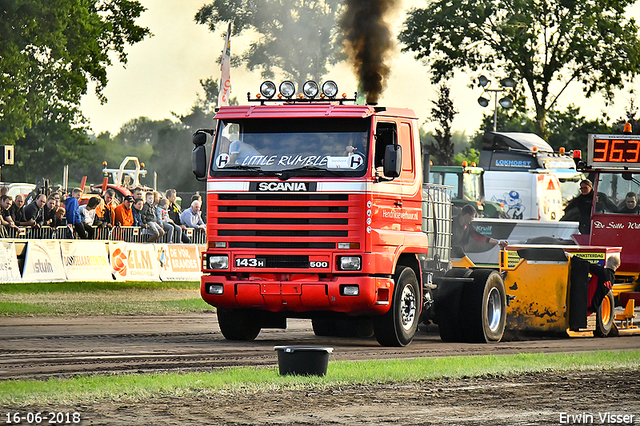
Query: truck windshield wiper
[[241, 167], [312, 168]]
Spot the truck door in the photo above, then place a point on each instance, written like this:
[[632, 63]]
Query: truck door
[[411, 188], [387, 194]]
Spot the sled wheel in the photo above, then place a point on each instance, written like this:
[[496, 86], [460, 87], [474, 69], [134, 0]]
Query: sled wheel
[[484, 305], [604, 316], [237, 324], [398, 326]]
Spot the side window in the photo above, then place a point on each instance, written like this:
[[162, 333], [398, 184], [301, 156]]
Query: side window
[[385, 135], [406, 141]]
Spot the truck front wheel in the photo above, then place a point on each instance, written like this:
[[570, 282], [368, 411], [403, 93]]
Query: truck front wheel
[[398, 326], [237, 324]]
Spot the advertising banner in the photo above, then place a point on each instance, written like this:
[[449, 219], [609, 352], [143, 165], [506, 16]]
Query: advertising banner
[[134, 262], [43, 262], [86, 260], [178, 262], [9, 269]]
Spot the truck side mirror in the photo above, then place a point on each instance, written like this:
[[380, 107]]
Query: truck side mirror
[[392, 161], [199, 156]]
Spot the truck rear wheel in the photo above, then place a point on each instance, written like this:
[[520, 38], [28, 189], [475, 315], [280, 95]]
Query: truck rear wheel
[[447, 306], [604, 316], [398, 326], [237, 324], [484, 306]]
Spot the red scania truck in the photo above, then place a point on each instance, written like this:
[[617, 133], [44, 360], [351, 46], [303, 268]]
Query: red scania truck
[[317, 209]]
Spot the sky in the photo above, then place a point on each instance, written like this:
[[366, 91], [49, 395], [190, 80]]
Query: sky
[[163, 75]]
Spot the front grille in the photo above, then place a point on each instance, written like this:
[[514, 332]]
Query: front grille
[[286, 261], [286, 221]]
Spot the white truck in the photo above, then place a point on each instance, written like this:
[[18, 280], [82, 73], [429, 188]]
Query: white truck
[[523, 172]]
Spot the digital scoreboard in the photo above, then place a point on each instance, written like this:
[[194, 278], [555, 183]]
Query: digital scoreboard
[[614, 151]]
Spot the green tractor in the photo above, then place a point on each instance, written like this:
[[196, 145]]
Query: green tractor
[[468, 188]]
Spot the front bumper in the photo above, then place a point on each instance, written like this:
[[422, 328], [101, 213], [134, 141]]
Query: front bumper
[[304, 293]]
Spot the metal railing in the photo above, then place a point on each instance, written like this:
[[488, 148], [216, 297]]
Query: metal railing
[[130, 234]]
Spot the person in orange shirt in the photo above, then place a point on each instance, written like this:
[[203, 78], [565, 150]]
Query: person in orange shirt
[[105, 212], [123, 213]]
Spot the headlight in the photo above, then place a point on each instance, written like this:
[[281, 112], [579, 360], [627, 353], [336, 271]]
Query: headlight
[[287, 89], [219, 262], [214, 289], [349, 290], [310, 89], [330, 89], [268, 89], [349, 263]]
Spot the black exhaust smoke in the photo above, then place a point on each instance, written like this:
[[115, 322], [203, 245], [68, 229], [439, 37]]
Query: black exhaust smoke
[[368, 39]]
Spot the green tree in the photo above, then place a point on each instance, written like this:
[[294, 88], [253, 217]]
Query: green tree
[[56, 140], [443, 113], [50, 51], [297, 37], [547, 45], [570, 129]]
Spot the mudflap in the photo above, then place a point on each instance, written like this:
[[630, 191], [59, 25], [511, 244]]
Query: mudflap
[[578, 293]]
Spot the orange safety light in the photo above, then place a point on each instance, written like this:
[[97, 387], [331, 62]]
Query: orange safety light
[[300, 95], [258, 96], [561, 150], [577, 154], [464, 163], [141, 164], [431, 162], [104, 163], [344, 95], [473, 164], [627, 128], [534, 149]]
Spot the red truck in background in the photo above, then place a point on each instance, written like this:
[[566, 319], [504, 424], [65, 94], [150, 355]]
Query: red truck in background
[[317, 209]]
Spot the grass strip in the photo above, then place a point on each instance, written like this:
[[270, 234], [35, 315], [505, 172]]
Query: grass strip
[[136, 387], [84, 287], [102, 298]]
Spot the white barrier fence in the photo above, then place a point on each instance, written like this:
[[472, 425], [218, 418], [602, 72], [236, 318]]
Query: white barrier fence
[[73, 260]]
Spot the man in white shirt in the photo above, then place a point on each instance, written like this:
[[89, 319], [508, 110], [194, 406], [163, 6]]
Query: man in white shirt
[[191, 217]]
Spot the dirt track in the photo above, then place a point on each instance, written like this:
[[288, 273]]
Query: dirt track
[[62, 346], [42, 347]]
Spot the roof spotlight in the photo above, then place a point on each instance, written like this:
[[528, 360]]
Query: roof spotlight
[[268, 89], [310, 89], [483, 81], [484, 102], [330, 89], [288, 89]]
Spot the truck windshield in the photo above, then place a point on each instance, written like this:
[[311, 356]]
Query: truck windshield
[[295, 146], [615, 189]]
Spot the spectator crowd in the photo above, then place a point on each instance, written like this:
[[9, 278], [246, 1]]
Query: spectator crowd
[[154, 213]]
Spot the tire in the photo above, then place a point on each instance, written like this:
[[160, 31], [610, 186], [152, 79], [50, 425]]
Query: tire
[[604, 316], [484, 307], [447, 306], [398, 326], [355, 327], [238, 325], [325, 327]]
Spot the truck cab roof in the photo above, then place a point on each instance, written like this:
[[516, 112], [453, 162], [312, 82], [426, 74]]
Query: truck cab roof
[[310, 110]]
